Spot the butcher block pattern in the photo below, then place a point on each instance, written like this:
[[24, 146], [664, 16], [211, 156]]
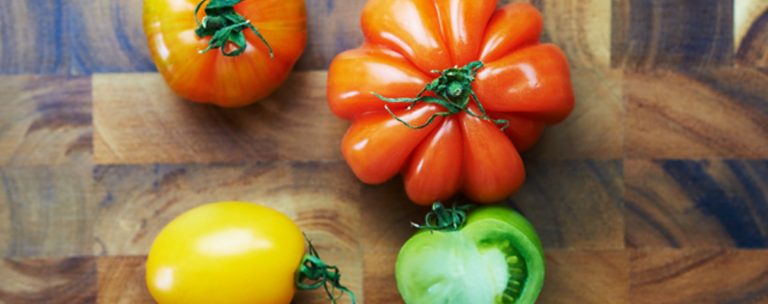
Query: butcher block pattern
[[655, 190]]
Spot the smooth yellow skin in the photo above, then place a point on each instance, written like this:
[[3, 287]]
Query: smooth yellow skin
[[227, 252]]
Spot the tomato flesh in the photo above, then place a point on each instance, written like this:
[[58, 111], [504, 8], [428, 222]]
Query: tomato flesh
[[495, 258]]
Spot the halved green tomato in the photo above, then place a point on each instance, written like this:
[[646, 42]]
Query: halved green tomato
[[495, 257]]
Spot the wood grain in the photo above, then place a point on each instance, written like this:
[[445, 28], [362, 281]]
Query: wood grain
[[72, 37], [121, 280], [697, 204], [663, 276], [135, 202], [33, 35], [386, 227], [137, 119], [333, 26], [751, 33], [579, 28], [46, 120], [106, 36], [387, 218], [380, 285], [586, 277], [719, 113], [47, 211], [745, 14], [574, 204], [52, 280], [595, 129], [671, 33]]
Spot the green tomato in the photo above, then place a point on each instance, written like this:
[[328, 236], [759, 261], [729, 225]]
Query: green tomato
[[496, 257]]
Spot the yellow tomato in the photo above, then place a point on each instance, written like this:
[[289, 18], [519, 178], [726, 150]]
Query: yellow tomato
[[227, 252]]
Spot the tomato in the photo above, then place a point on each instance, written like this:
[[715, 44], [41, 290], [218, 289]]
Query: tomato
[[233, 252], [237, 67], [495, 257], [448, 93]]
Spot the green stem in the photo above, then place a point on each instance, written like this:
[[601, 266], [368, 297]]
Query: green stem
[[453, 91], [225, 26], [444, 219], [313, 273]]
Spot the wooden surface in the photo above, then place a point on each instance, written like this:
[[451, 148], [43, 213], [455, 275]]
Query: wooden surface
[[654, 191]]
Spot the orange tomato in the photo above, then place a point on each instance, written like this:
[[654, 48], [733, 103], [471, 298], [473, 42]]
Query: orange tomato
[[448, 93], [220, 75]]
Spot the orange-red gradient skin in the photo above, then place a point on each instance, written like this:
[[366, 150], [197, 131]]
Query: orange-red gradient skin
[[533, 80], [492, 165], [215, 78], [523, 81], [376, 145], [433, 172], [410, 27], [371, 68]]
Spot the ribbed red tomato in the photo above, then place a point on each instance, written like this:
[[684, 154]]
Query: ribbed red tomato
[[447, 92]]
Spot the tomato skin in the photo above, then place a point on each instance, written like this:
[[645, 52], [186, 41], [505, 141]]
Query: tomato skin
[[353, 72], [376, 146], [461, 21], [523, 82], [215, 78], [492, 165], [434, 170], [227, 252], [511, 27], [416, 33], [523, 131], [534, 80]]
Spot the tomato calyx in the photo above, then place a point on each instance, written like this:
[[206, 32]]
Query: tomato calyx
[[225, 26], [444, 219], [314, 273], [452, 90]]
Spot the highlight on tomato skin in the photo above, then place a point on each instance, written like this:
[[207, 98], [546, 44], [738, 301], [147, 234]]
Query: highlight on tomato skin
[[494, 86], [230, 55]]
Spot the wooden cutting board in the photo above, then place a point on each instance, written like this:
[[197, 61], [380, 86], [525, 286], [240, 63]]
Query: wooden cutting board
[[655, 190]]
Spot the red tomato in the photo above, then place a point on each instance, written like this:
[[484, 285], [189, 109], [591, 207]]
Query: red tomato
[[448, 93], [228, 74]]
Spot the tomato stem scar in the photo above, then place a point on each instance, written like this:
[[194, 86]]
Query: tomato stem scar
[[452, 90], [225, 26]]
